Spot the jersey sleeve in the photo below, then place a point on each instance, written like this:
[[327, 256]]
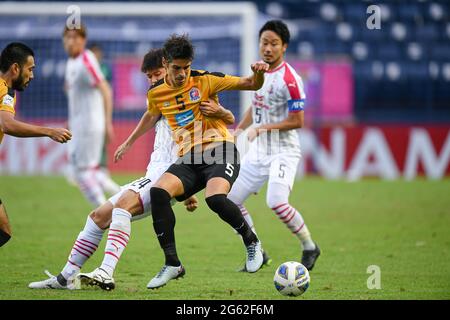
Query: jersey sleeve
[[152, 108], [294, 91], [220, 82], [7, 100], [93, 72]]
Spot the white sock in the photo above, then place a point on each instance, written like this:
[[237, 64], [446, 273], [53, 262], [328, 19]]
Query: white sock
[[247, 217], [85, 246], [90, 187], [294, 221], [118, 237], [107, 184]]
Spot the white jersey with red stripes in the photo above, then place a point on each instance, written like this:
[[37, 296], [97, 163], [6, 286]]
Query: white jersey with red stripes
[[86, 109], [282, 94], [165, 149]]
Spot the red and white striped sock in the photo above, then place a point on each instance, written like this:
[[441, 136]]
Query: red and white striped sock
[[247, 217], [84, 247], [294, 221], [118, 237], [107, 184], [90, 187]]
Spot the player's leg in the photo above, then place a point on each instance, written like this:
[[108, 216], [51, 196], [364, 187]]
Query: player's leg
[[249, 181], [133, 202], [5, 228], [84, 156], [89, 186], [108, 185], [216, 192], [220, 177], [280, 184], [84, 247], [103, 176], [178, 180]]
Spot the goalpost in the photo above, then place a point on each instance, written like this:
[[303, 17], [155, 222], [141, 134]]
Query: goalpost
[[224, 35], [245, 11]]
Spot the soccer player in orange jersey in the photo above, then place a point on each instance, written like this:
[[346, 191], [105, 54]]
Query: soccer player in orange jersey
[[133, 199], [16, 67], [208, 156]]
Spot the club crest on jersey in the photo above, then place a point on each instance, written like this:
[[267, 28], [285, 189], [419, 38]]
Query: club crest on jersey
[[8, 100], [194, 94]]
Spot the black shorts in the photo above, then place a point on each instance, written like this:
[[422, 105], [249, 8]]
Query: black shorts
[[195, 169]]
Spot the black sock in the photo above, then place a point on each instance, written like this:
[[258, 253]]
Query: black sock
[[229, 212], [164, 224], [4, 237]]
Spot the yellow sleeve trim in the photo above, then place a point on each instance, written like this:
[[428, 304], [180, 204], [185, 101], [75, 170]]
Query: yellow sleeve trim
[[7, 108]]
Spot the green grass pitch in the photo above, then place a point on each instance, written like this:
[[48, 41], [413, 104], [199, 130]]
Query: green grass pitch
[[402, 227]]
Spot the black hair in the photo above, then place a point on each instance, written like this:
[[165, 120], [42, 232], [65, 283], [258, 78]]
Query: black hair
[[178, 47], [279, 27], [15, 52], [94, 46], [152, 60], [81, 30]]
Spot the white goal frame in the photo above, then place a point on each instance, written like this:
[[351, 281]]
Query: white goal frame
[[247, 12]]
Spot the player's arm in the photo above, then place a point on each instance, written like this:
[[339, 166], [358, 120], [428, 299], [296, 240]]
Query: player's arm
[[146, 123], [16, 128], [212, 109], [295, 120], [256, 80], [219, 82], [106, 92]]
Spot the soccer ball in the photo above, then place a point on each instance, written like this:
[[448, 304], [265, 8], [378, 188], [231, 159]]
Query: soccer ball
[[291, 278]]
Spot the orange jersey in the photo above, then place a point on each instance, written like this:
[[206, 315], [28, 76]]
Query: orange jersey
[[7, 101], [181, 108]]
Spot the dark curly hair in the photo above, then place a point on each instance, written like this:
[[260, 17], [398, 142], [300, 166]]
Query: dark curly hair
[[15, 52], [279, 27], [178, 47], [152, 60]]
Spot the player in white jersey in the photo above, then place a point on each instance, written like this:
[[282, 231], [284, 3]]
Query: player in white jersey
[[130, 204], [90, 117], [274, 153]]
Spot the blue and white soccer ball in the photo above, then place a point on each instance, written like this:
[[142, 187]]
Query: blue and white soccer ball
[[291, 278]]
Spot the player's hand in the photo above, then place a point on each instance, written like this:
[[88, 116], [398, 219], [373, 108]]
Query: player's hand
[[211, 109], [120, 151], [191, 203], [260, 67], [252, 134], [109, 133], [61, 135]]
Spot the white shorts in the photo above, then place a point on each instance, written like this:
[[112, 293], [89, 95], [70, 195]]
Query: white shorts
[[280, 168], [85, 150], [142, 186]]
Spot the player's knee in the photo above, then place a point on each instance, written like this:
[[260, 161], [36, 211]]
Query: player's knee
[[233, 196], [273, 202], [128, 201], [159, 196], [4, 237], [217, 202], [100, 219]]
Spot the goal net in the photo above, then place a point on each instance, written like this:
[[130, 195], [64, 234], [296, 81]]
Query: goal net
[[223, 35]]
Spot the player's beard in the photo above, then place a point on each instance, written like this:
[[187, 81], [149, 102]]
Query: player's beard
[[19, 84]]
